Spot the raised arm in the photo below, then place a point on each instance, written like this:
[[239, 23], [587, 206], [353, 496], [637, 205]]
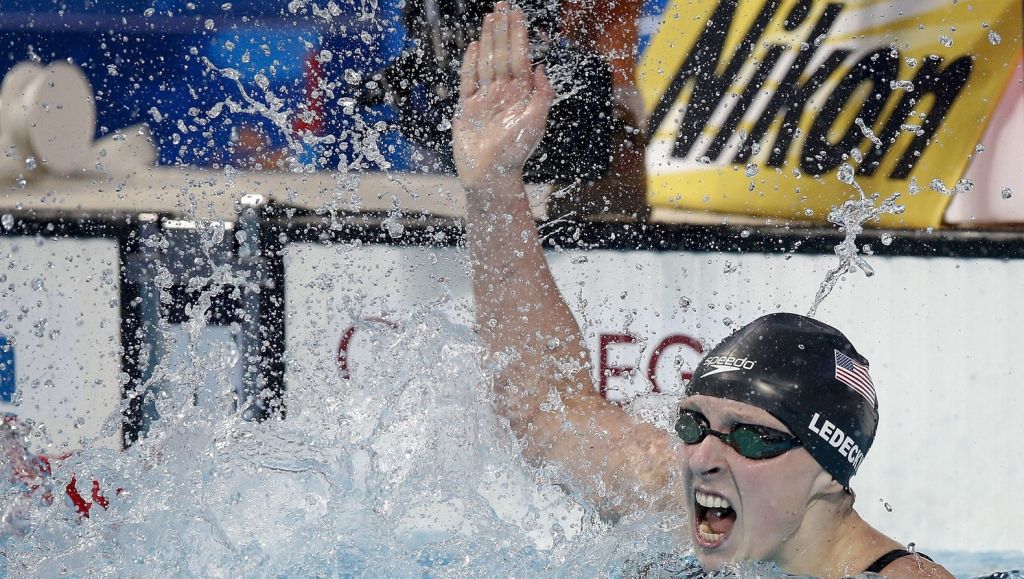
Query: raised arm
[[543, 380]]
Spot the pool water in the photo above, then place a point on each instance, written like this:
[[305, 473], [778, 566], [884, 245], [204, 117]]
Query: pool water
[[407, 474]]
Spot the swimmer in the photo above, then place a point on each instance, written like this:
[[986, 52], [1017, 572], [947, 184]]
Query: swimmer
[[776, 420]]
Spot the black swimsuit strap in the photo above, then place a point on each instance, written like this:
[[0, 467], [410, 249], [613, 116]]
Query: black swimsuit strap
[[883, 561]]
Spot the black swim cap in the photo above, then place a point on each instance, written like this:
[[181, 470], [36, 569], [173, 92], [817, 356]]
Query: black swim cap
[[806, 374]]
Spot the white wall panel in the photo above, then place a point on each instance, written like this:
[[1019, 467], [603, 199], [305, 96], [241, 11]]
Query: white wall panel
[[59, 301], [940, 333]]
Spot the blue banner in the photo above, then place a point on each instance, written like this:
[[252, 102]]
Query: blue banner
[[7, 383]]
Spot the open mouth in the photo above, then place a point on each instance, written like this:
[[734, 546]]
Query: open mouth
[[713, 520]]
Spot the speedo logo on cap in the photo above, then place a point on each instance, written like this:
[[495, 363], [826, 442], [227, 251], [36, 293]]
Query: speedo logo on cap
[[720, 364]]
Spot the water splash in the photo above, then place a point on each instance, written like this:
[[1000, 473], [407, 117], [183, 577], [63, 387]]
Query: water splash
[[25, 478], [404, 472], [850, 217]]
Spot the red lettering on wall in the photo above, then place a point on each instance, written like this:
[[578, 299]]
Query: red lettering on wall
[[346, 341], [343, 344], [671, 340], [604, 370]]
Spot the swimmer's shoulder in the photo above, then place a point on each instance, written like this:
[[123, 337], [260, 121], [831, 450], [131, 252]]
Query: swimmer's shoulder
[[914, 567]]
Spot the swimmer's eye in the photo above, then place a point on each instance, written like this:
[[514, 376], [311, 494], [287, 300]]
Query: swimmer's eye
[[749, 440]]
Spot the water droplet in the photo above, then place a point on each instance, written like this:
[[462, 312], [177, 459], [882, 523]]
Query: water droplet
[[39, 328], [1006, 193], [963, 186], [394, 229], [208, 24], [261, 81], [226, 6], [229, 175], [901, 84], [745, 233], [352, 76], [149, 12], [886, 239], [994, 37], [751, 169], [684, 302], [30, 163], [945, 41], [939, 186], [846, 174], [727, 322], [917, 130], [809, 212], [217, 233], [8, 220]]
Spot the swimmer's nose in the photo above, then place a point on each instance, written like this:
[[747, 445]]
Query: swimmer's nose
[[708, 456]]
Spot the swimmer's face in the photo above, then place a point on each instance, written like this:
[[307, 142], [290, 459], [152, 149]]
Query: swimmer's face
[[753, 510]]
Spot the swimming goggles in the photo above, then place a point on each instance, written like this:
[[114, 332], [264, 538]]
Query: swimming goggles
[[749, 440]]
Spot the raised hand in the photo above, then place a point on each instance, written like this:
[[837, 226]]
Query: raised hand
[[503, 102]]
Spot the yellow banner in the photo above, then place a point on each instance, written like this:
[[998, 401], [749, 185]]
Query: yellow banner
[[782, 107]]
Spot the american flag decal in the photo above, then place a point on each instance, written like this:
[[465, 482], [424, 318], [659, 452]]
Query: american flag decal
[[856, 377]]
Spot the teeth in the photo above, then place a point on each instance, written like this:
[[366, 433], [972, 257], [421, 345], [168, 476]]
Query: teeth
[[705, 534], [711, 501]]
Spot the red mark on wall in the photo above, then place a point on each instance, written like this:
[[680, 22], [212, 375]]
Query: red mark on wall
[[343, 344], [346, 342], [81, 505], [312, 118]]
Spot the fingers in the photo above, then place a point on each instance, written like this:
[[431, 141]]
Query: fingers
[[501, 48], [504, 51], [485, 58], [467, 75], [519, 45]]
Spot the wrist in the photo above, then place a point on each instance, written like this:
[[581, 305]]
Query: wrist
[[496, 194], [493, 181]]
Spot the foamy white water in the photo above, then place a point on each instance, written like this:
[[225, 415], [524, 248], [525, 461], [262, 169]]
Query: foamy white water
[[407, 475]]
